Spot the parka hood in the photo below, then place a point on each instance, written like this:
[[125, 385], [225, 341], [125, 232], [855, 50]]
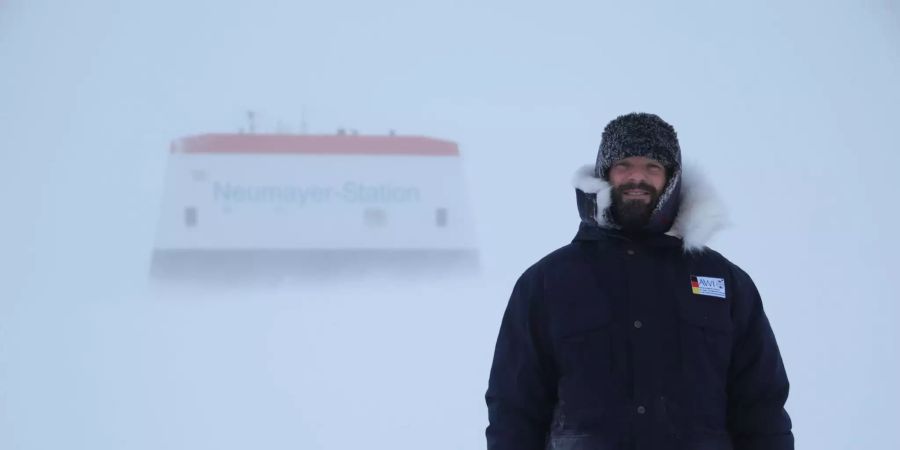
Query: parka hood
[[699, 216]]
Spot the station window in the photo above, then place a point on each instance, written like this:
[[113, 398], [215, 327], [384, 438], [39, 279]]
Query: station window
[[190, 217], [375, 217]]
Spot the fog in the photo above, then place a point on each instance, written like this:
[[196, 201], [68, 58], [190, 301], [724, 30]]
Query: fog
[[790, 108]]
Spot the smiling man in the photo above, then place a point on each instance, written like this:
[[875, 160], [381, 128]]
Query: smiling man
[[636, 336]]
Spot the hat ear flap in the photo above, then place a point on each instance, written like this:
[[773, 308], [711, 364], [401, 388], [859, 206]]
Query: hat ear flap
[[592, 194], [587, 207]]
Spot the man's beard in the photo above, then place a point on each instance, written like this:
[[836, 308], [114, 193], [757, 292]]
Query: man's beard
[[633, 215]]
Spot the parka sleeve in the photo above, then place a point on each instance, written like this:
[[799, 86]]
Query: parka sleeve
[[757, 385], [521, 390]]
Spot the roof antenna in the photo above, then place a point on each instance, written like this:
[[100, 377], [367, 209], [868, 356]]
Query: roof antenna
[[251, 122], [303, 120]]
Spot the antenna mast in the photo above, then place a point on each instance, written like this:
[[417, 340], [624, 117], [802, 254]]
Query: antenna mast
[[251, 121], [303, 120]]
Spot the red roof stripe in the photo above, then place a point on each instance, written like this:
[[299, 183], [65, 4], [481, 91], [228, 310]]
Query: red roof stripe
[[315, 144]]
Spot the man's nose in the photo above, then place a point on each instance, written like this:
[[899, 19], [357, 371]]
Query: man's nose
[[636, 176]]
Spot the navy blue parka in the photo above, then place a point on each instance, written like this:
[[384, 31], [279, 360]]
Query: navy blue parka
[[629, 342]]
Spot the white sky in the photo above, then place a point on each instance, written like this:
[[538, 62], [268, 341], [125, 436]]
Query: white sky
[[791, 108]]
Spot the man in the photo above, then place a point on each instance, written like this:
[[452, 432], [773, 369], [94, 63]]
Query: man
[[636, 336]]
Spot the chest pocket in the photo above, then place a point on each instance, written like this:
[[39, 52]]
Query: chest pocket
[[587, 351], [706, 336], [584, 355]]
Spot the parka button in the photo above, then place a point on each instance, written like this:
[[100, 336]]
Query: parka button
[[630, 251], [641, 410], [638, 324]]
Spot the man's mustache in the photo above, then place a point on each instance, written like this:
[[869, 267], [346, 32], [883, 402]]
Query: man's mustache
[[641, 186]]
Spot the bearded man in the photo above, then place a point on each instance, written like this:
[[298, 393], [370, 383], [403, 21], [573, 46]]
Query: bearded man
[[636, 336]]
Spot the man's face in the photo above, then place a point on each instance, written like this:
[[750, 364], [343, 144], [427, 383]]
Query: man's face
[[637, 184]]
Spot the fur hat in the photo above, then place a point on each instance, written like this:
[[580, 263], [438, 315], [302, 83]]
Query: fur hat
[[638, 134]]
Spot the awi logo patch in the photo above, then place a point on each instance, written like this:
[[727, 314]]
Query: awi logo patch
[[714, 287]]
